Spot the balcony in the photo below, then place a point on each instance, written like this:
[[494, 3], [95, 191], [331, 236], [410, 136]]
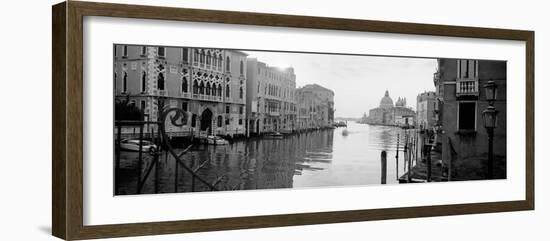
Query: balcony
[[274, 113], [467, 87], [207, 97]]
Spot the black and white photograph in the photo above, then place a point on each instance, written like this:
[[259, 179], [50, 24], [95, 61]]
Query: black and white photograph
[[200, 119]]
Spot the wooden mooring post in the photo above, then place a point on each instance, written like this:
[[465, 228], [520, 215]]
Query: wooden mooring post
[[397, 159], [140, 160], [384, 167], [428, 148]]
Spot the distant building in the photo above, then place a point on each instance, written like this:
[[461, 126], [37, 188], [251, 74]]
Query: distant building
[[388, 114], [315, 107], [426, 104], [271, 98], [209, 84], [463, 137]]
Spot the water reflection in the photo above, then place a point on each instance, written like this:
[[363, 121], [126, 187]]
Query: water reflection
[[315, 159]]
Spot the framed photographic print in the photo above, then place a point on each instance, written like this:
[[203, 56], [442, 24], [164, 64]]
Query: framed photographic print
[[171, 120]]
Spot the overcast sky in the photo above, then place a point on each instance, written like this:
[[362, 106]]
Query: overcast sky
[[358, 82]]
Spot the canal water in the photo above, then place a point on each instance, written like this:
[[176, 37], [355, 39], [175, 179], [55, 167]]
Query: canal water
[[323, 158]]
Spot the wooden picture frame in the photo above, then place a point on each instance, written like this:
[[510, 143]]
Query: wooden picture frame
[[67, 123]]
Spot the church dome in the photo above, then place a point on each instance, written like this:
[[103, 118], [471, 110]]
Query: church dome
[[386, 101]]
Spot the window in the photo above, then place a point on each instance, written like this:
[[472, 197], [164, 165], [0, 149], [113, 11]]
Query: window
[[207, 58], [240, 109], [227, 64], [142, 106], [185, 55], [227, 91], [201, 88], [227, 109], [220, 91], [208, 87], [125, 82], [143, 81], [143, 50], [241, 92], [195, 87], [194, 120], [196, 56], [161, 52], [214, 88], [125, 51], [466, 115], [240, 122], [226, 122], [184, 85], [201, 57], [160, 81], [220, 62], [184, 106], [467, 69], [220, 119], [241, 68]]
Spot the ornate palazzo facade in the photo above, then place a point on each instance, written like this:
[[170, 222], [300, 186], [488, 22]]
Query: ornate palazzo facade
[[209, 84]]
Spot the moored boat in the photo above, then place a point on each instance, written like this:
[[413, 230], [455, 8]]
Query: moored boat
[[276, 135], [216, 140]]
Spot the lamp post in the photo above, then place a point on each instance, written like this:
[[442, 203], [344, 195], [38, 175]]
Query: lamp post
[[489, 121]]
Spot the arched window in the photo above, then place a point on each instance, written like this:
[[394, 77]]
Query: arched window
[[125, 82], [201, 88], [184, 85], [201, 57], [195, 87], [160, 81], [207, 58], [220, 92], [214, 88], [143, 81], [208, 87], [227, 91], [220, 121], [227, 64], [196, 55], [241, 92], [241, 68], [220, 62], [214, 60]]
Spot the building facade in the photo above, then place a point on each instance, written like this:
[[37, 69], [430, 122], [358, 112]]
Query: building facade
[[208, 84], [388, 114], [271, 98], [315, 107], [461, 102], [426, 104]]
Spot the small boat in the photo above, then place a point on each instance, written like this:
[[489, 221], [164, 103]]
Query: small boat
[[276, 135], [345, 132], [133, 145], [216, 140]]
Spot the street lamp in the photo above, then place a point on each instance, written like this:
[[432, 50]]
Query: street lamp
[[489, 121]]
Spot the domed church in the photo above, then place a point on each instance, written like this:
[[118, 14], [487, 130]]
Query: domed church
[[388, 114]]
